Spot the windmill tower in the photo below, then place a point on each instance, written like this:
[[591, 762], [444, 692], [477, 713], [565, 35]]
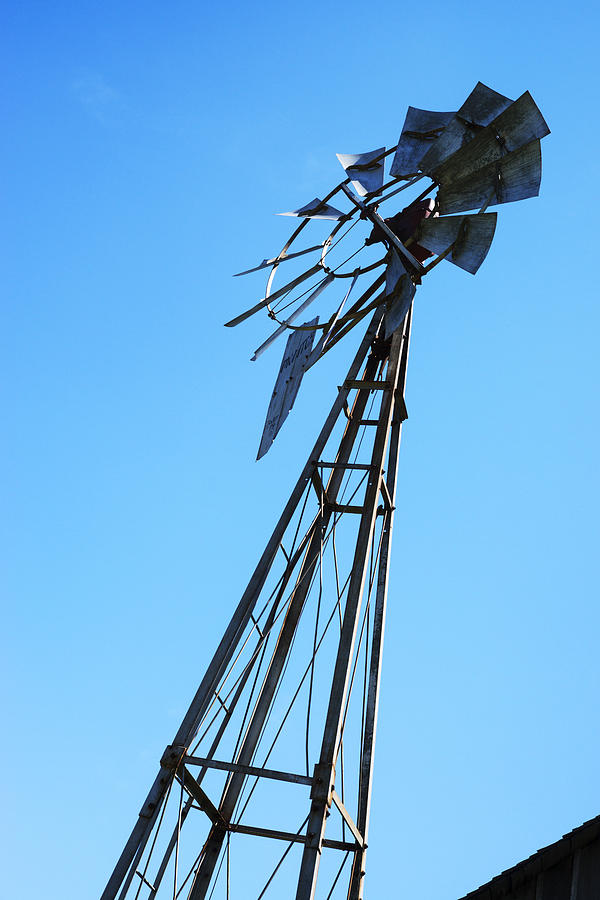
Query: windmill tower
[[265, 788]]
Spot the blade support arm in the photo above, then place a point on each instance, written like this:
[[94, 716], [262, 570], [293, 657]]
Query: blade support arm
[[376, 219]]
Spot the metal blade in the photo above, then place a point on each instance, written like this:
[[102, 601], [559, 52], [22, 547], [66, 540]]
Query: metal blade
[[403, 297], [421, 128], [518, 125], [479, 109], [316, 209], [313, 296], [297, 351], [515, 177], [278, 259], [393, 272], [322, 343], [274, 296], [469, 236], [365, 170]]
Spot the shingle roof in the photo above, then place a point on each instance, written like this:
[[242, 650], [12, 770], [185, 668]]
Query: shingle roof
[[528, 869]]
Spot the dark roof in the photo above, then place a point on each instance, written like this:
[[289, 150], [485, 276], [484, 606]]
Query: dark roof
[[527, 870]]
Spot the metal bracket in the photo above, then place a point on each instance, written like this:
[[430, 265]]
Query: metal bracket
[[402, 410], [172, 756], [323, 782]]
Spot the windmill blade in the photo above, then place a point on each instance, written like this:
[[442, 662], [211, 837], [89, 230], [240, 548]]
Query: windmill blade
[[479, 109], [402, 299], [516, 177], [421, 128], [393, 272], [274, 296], [297, 351], [469, 236], [365, 170], [324, 340], [279, 259], [519, 124], [297, 312], [316, 209]]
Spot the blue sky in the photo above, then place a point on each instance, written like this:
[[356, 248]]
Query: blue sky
[[146, 149]]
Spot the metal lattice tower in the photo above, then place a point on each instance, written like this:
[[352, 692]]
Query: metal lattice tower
[[265, 789]]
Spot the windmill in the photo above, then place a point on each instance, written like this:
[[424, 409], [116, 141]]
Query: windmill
[[265, 789]]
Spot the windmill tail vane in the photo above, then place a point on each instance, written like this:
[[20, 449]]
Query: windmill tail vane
[[265, 789]]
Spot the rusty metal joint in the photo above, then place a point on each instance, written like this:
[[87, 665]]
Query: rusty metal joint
[[323, 782], [173, 756]]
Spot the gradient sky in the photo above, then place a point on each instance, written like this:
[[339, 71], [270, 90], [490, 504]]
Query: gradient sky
[[147, 147]]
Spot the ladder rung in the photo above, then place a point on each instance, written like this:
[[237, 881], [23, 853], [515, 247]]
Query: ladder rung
[[368, 421], [344, 508], [359, 510], [367, 385], [365, 467]]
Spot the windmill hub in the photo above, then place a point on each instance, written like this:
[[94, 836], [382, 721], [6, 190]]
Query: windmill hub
[[405, 225]]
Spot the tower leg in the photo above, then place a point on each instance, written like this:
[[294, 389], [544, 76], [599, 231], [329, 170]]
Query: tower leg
[[325, 770], [372, 707]]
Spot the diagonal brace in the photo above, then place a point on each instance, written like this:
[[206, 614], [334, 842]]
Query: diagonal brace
[[202, 799], [348, 820]]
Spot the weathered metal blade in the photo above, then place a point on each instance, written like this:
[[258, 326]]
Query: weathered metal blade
[[365, 170], [515, 177], [324, 340], [402, 298], [297, 351], [479, 109], [421, 128], [278, 259], [274, 296], [393, 272], [292, 318], [519, 124], [469, 236], [316, 209]]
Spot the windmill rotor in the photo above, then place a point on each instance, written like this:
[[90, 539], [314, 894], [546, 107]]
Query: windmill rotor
[[485, 154]]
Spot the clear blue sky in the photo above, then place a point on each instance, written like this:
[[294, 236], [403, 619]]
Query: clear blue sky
[[146, 148]]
